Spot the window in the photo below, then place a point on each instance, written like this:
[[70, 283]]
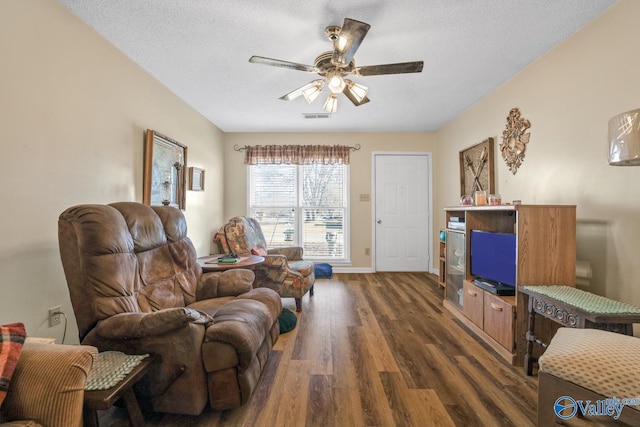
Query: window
[[302, 205]]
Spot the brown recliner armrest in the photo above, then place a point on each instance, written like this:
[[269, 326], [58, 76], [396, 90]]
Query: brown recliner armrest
[[243, 324], [48, 385], [230, 283], [140, 325]]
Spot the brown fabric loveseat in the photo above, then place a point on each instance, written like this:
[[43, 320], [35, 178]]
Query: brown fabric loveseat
[[136, 287]]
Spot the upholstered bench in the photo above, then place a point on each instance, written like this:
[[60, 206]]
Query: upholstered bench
[[588, 365]]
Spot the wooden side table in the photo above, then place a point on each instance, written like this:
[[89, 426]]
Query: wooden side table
[[104, 399], [574, 308], [244, 261]]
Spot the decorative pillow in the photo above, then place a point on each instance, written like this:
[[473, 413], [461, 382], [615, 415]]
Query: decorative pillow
[[287, 320], [11, 340], [258, 251]]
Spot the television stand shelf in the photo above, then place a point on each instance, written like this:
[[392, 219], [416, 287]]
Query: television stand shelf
[[545, 248]]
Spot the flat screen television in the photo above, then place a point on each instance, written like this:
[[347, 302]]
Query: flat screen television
[[493, 256]]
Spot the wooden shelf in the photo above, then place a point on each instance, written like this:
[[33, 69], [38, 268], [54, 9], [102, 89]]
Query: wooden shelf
[[546, 255]]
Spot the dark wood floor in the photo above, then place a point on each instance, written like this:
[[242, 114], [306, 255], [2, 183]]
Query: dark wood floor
[[376, 350]]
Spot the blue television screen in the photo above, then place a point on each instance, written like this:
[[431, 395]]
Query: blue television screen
[[493, 256]]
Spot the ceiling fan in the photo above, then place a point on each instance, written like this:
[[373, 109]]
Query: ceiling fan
[[333, 66]]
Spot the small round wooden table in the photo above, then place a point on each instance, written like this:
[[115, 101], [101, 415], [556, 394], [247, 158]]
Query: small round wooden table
[[209, 264]]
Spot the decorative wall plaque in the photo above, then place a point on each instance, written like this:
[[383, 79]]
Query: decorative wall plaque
[[476, 168], [514, 140]]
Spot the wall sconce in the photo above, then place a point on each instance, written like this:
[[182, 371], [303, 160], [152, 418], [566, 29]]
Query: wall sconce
[[624, 139]]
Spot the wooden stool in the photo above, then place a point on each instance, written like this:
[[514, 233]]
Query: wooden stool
[[126, 371]]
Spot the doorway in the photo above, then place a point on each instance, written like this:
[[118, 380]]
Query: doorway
[[402, 212]]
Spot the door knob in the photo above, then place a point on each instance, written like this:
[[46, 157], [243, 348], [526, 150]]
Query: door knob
[[379, 221]]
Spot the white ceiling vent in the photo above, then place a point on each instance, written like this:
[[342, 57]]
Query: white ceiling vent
[[316, 115]]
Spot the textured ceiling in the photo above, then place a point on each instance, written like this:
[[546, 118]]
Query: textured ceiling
[[200, 50]]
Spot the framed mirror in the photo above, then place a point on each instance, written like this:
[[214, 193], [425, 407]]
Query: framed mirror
[[165, 175]]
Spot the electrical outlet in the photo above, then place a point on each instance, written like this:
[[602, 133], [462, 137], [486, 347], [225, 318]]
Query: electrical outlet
[[54, 316]]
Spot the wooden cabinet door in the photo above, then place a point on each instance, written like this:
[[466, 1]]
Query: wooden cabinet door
[[498, 319], [473, 306]]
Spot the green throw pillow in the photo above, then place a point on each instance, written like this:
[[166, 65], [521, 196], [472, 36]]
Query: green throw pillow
[[287, 320]]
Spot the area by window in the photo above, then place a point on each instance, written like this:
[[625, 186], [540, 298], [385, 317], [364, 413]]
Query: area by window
[[303, 205]]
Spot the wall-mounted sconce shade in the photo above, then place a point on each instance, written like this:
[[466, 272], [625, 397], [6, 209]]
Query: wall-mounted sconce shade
[[331, 104], [624, 139]]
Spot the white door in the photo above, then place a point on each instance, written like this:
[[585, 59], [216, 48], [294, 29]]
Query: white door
[[402, 212]]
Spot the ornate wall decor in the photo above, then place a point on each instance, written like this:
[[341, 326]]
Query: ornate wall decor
[[514, 140], [476, 168]]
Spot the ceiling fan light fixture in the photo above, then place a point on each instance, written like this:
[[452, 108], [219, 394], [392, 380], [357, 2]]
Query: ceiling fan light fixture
[[311, 93], [331, 104], [358, 91], [334, 65], [336, 82]]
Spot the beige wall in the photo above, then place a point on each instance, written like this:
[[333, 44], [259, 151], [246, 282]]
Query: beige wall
[[236, 174], [568, 95], [73, 110]]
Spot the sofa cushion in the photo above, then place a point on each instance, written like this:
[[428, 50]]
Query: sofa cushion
[[11, 340], [601, 361]]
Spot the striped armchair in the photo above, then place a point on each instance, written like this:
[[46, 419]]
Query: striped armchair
[[283, 270]]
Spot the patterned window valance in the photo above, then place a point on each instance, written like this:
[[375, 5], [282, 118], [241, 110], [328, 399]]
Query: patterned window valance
[[296, 154]]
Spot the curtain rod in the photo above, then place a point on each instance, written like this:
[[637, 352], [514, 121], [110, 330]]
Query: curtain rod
[[238, 148]]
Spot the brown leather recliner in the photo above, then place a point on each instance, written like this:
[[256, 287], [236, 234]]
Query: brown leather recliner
[[136, 287]]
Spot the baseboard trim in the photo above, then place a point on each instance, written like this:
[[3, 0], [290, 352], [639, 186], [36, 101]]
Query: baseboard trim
[[353, 270], [363, 270]]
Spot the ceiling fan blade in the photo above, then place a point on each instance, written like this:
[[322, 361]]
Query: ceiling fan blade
[[399, 68], [297, 92], [351, 35], [282, 64]]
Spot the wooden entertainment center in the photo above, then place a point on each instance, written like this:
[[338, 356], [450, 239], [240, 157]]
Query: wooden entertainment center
[[545, 237]]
